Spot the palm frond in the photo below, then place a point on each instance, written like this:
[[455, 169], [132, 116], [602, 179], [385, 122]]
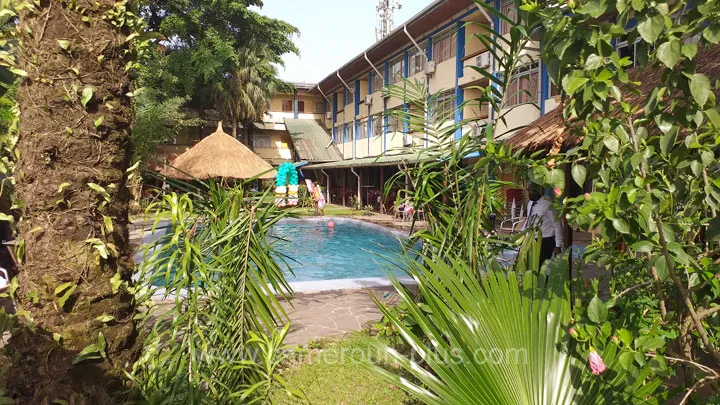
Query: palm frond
[[219, 269], [498, 337]]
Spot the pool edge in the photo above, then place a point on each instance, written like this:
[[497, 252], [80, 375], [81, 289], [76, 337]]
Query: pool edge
[[320, 286]]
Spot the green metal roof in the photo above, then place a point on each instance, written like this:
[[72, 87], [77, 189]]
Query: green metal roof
[[311, 141], [385, 160]]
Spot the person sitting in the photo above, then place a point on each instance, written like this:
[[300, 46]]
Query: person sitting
[[409, 211], [405, 211]]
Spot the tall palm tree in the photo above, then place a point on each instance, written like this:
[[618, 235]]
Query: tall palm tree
[[75, 148], [243, 96]]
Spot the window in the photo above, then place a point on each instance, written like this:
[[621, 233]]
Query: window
[[397, 69], [319, 107], [287, 106], [416, 60], [524, 87], [444, 46], [301, 107], [337, 101], [338, 134], [396, 120], [348, 132], [445, 105], [362, 132], [377, 125], [262, 141], [377, 83], [507, 8], [626, 50]]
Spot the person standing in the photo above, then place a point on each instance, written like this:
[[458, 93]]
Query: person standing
[[319, 200], [542, 216]]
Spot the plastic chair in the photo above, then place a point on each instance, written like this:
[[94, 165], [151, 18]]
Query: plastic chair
[[517, 216]]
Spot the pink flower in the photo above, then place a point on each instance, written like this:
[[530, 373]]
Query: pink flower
[[587, 196], [596, 362], [558, 192], [573, 332], [615, 339]]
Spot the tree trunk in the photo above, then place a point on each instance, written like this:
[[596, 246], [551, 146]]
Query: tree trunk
[[71, 179], [234, 129], [248, 135]]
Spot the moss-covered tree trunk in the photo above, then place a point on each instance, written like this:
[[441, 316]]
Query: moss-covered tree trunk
[[71, 181]]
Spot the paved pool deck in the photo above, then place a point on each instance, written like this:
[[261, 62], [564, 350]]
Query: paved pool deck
[[334, 313], [327, 314]]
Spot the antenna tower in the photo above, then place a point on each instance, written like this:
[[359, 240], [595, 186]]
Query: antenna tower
[[385, 22]]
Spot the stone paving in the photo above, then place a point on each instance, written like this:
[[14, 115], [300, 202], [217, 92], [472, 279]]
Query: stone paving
[[326, 314], [334, 313], [390, 222]]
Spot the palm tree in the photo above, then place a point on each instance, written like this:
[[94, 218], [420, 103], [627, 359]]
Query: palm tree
[[243, 96], [75, 148]]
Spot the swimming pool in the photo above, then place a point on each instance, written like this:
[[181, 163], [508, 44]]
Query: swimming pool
[[352, 249], [352, 255]]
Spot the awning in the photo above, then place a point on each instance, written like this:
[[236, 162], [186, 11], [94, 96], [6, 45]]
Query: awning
[[311, 141], [385, 160]]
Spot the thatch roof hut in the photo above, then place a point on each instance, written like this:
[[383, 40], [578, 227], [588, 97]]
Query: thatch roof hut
[[550, 132], [219, 155]]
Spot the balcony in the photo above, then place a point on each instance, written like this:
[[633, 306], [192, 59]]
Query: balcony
[[278, 117], [470, 77]]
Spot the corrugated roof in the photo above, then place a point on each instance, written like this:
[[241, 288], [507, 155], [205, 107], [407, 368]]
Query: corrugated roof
[[311, 141], [384, 160]]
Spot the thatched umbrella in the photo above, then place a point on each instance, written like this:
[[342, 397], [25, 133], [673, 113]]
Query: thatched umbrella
[[219, 155]]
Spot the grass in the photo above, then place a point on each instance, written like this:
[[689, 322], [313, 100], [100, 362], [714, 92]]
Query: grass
[[331, 210], [334, 376]]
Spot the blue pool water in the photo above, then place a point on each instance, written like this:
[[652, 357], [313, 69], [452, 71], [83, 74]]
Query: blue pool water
[[350, 250]]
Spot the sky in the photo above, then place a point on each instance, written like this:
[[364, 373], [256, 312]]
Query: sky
[[331, 32]]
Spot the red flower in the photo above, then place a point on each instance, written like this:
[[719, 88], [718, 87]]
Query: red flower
[[558, 192]]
